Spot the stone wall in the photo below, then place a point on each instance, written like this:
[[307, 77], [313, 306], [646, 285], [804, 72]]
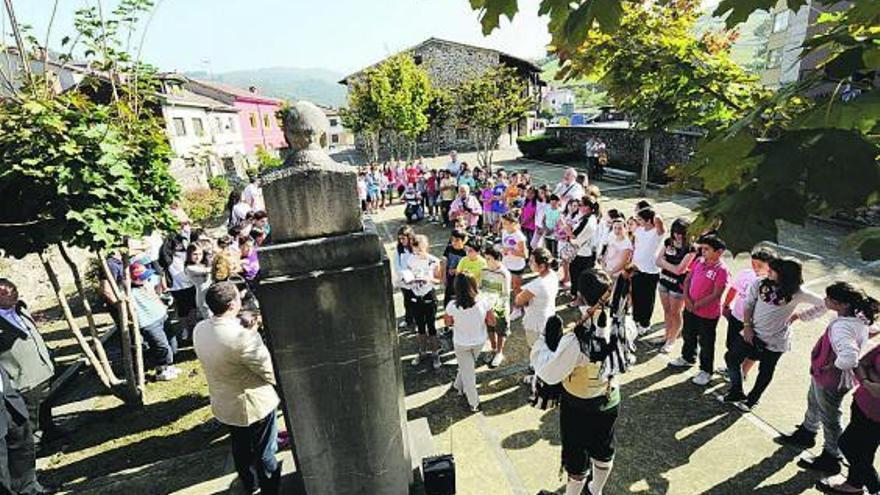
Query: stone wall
[[448, 65], [625, 146]]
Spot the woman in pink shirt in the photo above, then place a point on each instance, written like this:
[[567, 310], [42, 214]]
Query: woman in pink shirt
[[529, 210]]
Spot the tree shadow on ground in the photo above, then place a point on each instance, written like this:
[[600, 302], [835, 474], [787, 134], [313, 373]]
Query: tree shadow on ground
[[747, 481], [148, 450]]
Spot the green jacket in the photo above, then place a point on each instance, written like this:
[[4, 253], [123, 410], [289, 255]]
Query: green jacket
[[23, 352]]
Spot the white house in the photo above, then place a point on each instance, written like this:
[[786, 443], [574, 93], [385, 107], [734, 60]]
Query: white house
[[559, 100], [338, 136], [204, 134]]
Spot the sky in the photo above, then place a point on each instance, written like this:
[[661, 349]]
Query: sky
[[340, 35]]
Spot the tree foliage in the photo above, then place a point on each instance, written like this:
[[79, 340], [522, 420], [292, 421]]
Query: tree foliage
[[783, 156], [663, 77], [390, 101], [488, 104]]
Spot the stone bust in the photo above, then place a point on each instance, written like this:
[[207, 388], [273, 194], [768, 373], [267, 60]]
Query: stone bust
[[304, 125]]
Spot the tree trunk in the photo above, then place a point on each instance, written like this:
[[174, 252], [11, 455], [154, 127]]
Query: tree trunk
[[646, 162], [133, 384], [71, 322], [90, 317], [135, 328]]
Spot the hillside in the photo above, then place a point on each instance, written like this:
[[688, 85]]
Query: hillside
[[319, 86]]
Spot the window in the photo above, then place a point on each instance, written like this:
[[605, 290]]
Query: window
[[231, 125], [189, 162], [198, 126], [333, 122], [179, 127], [334, 138], [417, 59], [266, 122], [774, 58], [218, 127], [253, 119], [462, 134], [780, 21]]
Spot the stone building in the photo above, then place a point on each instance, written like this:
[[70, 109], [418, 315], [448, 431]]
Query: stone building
[[449, 64]]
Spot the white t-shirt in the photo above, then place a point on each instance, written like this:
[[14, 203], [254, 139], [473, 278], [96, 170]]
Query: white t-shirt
[[423, 270], [742, 283], [177, 270], [454, 168], [469, 325], [645, 250], [362, 189], [543, 305], [616, 251], [509, 241], [567, 192], [253, 195], [239, 212]]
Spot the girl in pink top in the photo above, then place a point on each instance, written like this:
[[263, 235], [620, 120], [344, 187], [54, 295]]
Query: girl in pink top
[[833, 361], [529, 210]]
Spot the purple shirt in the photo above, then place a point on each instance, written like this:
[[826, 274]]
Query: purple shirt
[[251, 265], [741, 283], [705, 278]]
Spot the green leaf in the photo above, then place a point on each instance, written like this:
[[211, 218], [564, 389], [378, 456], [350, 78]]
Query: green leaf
[[860, 113], [492, 10], [723, 162], [871, 58], [740, 10]]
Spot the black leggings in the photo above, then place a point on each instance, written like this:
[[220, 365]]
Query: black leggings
[[757, 351], [408, 310], [587, 432], [579, 265], [644, 294], [425, 313], [859, 445]]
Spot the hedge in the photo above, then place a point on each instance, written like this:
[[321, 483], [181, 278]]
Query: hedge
[[537, 146]]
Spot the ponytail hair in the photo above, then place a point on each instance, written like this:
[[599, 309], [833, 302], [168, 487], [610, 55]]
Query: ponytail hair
[[543, 257], [860, 303]]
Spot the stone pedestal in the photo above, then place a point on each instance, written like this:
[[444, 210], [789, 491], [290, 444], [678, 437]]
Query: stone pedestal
[[326, 300]]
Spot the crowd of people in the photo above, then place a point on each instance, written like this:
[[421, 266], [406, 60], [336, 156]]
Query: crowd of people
[[613, 266]]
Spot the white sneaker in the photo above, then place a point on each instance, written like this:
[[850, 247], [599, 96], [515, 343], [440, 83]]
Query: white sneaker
[[667, 348], [497, 360], [402, 324], [516, 314], [702, 378], [643, 330], [679, 362], [489, 357], [416, 360], [437, 364], [167, 374]]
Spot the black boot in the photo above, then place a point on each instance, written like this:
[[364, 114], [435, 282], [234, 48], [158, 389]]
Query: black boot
[[801, 437], [824, 463]]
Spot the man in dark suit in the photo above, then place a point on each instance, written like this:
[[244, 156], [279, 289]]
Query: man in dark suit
[[18, 468]]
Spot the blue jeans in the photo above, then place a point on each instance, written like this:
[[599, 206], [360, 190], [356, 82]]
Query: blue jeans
[[253, 452], [823, 409], [161, 345]]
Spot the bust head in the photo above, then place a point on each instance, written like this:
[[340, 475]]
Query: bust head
[[304, 124]]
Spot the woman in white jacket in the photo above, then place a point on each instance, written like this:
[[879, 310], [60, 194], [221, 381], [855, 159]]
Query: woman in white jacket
[[834, 357]]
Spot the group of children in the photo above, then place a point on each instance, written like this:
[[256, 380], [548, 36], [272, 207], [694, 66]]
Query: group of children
[[570, 243]]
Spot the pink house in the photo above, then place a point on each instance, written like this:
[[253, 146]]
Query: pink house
[[260, 128]]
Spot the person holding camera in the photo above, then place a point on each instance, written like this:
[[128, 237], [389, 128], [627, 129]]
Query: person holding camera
[[466, 206]]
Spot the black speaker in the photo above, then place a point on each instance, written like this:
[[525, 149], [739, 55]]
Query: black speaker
[[439, 474]]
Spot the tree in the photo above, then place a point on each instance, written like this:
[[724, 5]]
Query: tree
[[390, 100], [662, 76], [439, 112], [489, 103], [84, 173], [793, 138]]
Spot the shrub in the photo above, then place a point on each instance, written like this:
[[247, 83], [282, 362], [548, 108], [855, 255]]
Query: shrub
[[203, 205], [537, 146], [267, 161], [220, 184]]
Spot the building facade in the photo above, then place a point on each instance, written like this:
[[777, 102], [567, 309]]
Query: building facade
[[257, 114], [204, 133], [338, 137], [788, 29], [558, 100], [449, 64]]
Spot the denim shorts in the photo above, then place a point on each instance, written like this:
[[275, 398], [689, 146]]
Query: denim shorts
[[672, 293]]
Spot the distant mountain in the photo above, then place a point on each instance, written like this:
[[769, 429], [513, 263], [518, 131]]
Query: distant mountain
[[319, 86]]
